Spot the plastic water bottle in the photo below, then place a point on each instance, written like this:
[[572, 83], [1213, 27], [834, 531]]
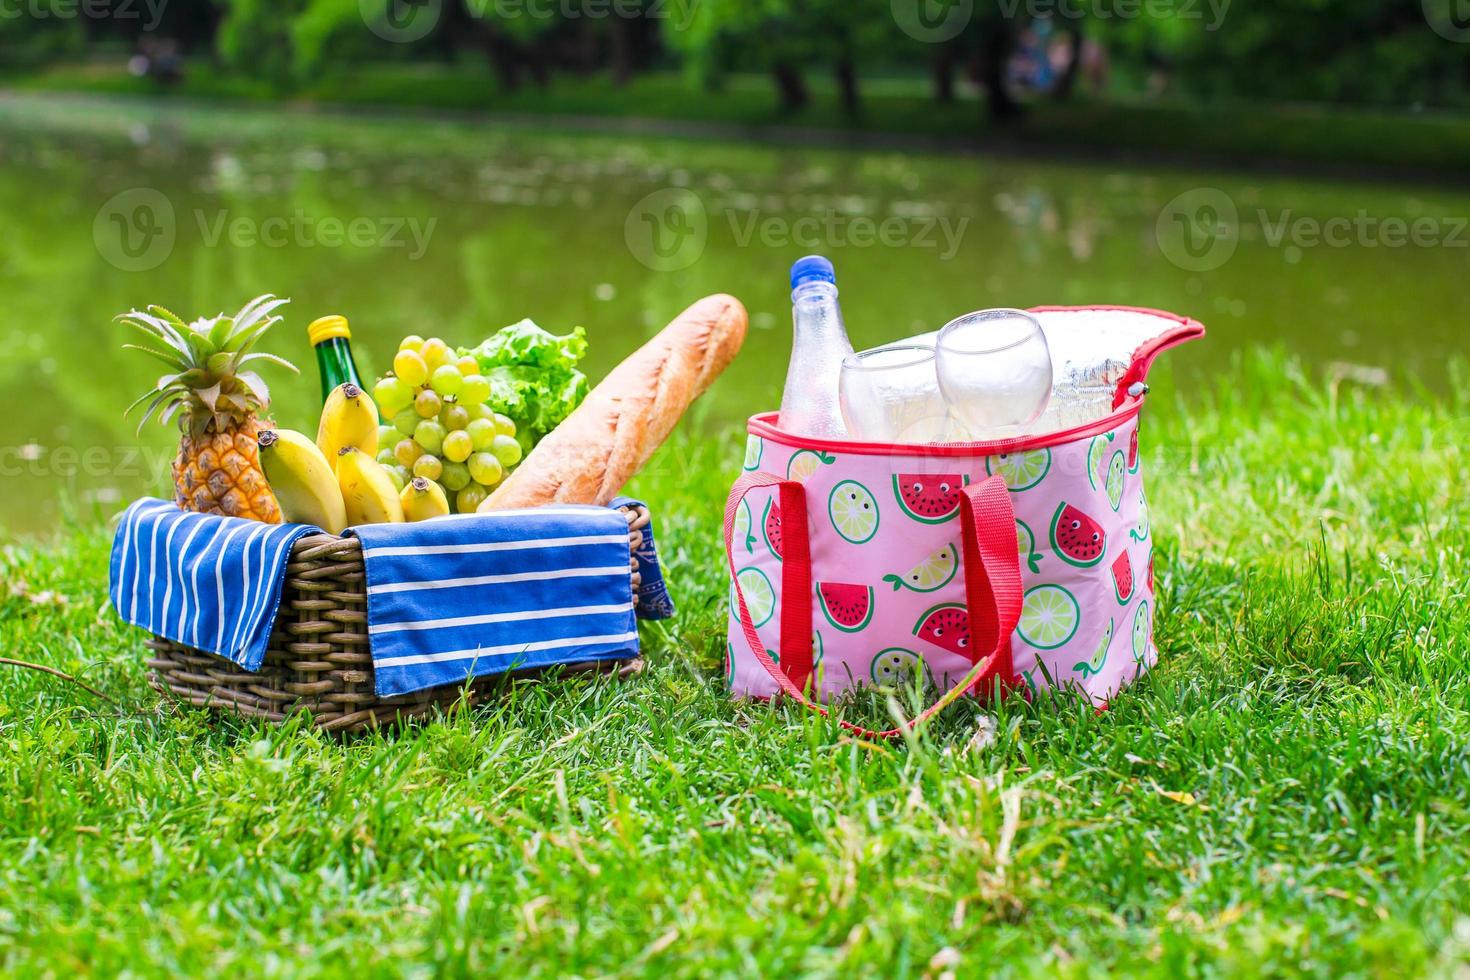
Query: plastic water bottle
[[809, 403]]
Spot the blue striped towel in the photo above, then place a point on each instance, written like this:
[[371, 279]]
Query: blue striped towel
[[208, 582], [475, 594]]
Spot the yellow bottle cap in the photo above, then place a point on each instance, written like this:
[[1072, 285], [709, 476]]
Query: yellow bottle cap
[[327, 327]]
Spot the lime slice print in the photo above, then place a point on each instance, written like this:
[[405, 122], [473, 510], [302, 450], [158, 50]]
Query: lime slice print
[[805, 463], [1143, 627], [755, 448], [760, 598], [854, 511], [1020, 471], [895, 666], [1116, 466], [1095, 452], [932, 573], [742, 526], [1140, 533], [1026, 545], [1049, 617]]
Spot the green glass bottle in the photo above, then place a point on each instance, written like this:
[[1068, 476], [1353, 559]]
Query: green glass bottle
[[333, 342]]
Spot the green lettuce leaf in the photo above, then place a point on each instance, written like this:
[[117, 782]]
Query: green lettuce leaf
[[533, 376]]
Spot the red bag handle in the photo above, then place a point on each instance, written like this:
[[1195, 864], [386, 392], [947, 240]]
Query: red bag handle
[[992, 587]]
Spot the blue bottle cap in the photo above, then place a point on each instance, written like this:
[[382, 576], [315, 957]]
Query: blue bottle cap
[[812, 268]]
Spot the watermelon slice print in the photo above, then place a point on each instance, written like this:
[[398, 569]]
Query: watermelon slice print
[[1020, 471], [805, 462], [1150, 578], [1026, 544], [1133, 450], [929, 498], [1143, 627], [895, 667], [755, 448], [1122, 570], [1114, 484], [760, 598], [847, 607], [946, 626], [742, 526], [1097, 457], [1099, 656], [729, 666], [853, 511], [1076, 538], [772, 521], [931, 574]]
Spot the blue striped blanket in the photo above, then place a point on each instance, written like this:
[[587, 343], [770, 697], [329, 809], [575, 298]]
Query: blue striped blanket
[[447, 599]]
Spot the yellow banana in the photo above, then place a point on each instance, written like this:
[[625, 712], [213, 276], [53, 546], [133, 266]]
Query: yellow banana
[[367, 489], [348, 419], [423, 499], [302, 480]]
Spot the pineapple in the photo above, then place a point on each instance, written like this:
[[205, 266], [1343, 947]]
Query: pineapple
[[218, 402]]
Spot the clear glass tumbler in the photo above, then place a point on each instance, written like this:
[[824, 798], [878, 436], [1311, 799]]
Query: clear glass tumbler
[[890, 394], [994, 370]]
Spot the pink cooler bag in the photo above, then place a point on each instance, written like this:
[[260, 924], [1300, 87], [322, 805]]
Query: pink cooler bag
[[997, 565]]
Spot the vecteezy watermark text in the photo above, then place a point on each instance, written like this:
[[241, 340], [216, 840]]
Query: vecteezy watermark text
[[668, 230], [148, 11], [1199, 230], [136, 230]]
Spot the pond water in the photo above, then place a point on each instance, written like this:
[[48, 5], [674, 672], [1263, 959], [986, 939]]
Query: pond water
[[458, 227]]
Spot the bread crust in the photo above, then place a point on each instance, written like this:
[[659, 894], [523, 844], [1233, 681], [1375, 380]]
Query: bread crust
[[596, 450]]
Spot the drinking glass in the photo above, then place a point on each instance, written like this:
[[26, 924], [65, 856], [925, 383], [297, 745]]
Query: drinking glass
[[889, 394], [994, 370]]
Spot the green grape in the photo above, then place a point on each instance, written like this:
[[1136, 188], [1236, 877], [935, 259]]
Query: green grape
[[482, 434], [454, 416], [467, 365], [486, 469], [475, 390], [406, 451], [387, 435], [385, 456], [430, 435], [480, 411], [427, 403], [468, 500], [410, 368], [458, 445], [507, 450], [446, 380], [456, 477], [399, 475], [435, 353], [428, 467], [407, 420], [504, 425], [412, 342], [392, 395]]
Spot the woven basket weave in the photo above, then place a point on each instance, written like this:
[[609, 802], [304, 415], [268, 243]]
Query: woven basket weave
[[317, 660]]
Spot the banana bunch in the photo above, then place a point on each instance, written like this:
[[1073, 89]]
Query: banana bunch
[[334, 482]]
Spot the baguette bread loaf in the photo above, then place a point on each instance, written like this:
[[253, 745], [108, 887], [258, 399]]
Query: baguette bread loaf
[[595, 451]]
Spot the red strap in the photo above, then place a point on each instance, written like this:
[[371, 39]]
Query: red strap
[[992, 577]]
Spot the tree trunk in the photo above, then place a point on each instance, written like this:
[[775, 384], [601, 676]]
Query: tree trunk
[[995, 55], [620, 45], [535, 60], [941, 68], [847, 85], [505, 59], [789, 86]]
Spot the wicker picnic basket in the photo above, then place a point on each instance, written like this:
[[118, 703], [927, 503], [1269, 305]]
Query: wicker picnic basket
[[318, 660]]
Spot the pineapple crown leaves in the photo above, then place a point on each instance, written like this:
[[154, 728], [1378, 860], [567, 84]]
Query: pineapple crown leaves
[[209, 377]]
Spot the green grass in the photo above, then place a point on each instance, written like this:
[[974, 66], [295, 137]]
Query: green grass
[[1313, 137], [1289, 790]]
